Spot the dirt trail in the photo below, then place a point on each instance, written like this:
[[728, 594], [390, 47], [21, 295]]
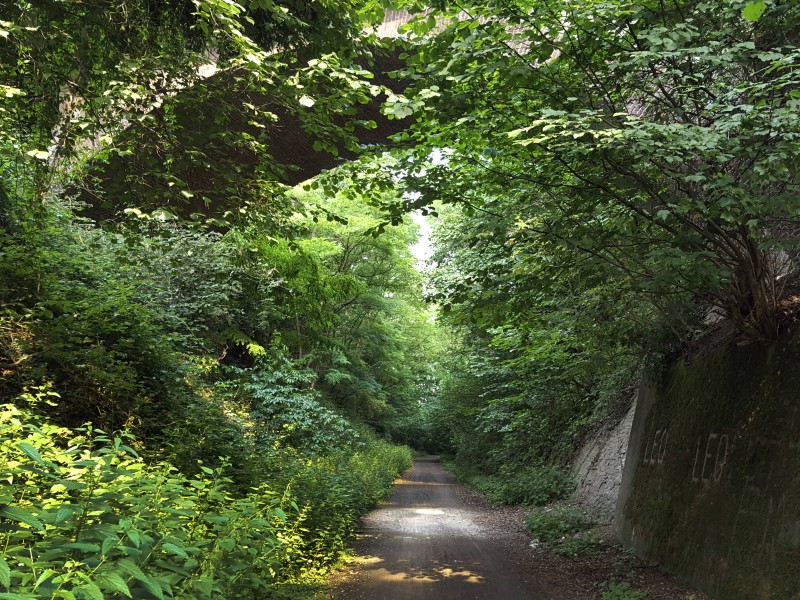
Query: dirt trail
[[427, 543]]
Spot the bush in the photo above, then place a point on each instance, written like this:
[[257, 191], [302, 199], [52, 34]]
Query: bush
[[333, 492], [552, 524], [622, 591], [535, 486], [581, 544], [83, 515], [72, 315], [564, 529]]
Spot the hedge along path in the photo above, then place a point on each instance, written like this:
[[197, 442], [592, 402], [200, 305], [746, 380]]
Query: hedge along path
[[426, 543]]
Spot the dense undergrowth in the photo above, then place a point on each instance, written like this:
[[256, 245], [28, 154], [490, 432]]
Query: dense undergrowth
[[200, 394], [532, 486], [86, 517], [186, 412]]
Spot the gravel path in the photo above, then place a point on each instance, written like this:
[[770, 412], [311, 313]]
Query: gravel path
[[430, 543], [437, 539]]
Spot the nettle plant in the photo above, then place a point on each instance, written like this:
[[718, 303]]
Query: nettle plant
[[83, 517]]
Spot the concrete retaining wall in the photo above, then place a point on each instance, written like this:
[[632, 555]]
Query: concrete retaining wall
[[599, 467], [711, 487]]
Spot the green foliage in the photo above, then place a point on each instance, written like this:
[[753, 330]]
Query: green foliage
[[378, 369], [159, 109], [73, 316], [622, 591], [240, 368], [553, 523], [190, 279], [336, 491], [656, 142], [83, 515], [532, 486], [287, 414], [248, 351], [565, 529], [606, 174], [609, 177], [543, 350], [535, 486], [753, 10], [579, 545]]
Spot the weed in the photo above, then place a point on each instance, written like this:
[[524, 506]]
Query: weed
[[622, 591], [552, 524], [579, 545], [535, 486]]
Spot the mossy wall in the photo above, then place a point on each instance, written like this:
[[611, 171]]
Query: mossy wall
[[712, 482]]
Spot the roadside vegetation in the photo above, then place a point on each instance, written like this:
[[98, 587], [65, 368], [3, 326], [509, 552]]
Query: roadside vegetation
[[206, 373], [186, 413], [613, 182], [203, 370]]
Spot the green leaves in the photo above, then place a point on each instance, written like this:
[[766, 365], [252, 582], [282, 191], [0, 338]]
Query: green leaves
[[31, 452], [90, 591], [752, 11], [214, 344], [677, 103], [145, 530], [131, 569], [21, 515], [5, 574], [113, 582], [38, 154], [400, 107], [174, 549]]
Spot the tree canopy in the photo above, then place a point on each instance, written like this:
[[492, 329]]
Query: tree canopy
[[657, 137], [614, 180], [205, 371]]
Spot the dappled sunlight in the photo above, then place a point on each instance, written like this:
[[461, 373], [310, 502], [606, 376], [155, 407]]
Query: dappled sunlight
[[428, 511], [465, 574], [433, 546], [364, 560], [424, 483], [435, 573], [427, 521]]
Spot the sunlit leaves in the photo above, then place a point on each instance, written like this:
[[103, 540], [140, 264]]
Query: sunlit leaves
[[400, 107], [753, 10], [38, 154], [652, 111], [146, 530]]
